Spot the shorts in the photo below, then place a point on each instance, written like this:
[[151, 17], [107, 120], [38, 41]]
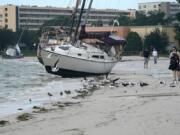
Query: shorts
[[174, 67]]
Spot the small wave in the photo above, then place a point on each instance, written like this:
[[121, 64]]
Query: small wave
[[3, 99], [32, 85]]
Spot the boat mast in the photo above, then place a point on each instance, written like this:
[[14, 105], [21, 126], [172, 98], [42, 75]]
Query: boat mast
[[20, 36], [88, 11], [79, 21], [78, 2]]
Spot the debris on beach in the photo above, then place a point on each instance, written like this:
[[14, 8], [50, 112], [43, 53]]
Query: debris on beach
[[40, 109], [49, 94], [36, 107], [115, 80], [4, 123], [61, 93], [65, 104], [81, 94], [131, 84], [162, 82], [24, 117], [142, 84], [125, 84], [67, 92], [19, 109], [172, 85]]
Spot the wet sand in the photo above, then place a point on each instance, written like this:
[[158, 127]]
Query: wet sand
[[130, 110]]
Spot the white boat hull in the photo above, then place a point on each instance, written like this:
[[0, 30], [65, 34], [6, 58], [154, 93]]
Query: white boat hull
[[74, 66]]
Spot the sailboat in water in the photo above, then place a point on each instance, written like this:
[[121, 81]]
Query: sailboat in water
[[79, 57]]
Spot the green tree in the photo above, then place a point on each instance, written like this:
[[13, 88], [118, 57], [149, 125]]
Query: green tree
[[177, 31], [156, 39], [140, 19], [124, 20], [134, 42], [29, 38], [177, 27], [153, 18], [7, 38]]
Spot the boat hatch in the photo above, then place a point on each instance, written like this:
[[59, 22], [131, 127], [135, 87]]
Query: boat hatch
[[64, 47], [95, 56]]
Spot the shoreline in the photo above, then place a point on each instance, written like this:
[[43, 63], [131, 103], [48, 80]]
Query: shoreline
[[132, 109]]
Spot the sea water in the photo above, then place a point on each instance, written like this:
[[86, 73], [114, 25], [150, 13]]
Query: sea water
[[22, 80]]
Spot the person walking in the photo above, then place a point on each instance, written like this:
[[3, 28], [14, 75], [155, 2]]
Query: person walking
[[155, 55], [146, 57], [174, 64]]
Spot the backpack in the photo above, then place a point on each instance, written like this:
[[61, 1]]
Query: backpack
[[174, 59]]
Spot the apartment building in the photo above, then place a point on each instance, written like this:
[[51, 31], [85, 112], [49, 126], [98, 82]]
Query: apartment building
[[32, 17], [8, 17], [169, 8]]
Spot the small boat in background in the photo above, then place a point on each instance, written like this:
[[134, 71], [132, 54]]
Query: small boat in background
[[12, 53]]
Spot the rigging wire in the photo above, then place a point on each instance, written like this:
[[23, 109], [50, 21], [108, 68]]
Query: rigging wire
[[70, 3], [119, 3]]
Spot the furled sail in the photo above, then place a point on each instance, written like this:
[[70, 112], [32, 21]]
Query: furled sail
[[18, 51]]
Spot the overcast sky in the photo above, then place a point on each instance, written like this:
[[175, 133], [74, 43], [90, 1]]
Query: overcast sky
[[118, 4]]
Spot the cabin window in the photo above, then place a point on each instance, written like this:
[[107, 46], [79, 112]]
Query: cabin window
[[101, 57], [64, 48], [79, 54], [95, 56]]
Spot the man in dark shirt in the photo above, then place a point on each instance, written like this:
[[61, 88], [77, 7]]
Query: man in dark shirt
[[146, 54]]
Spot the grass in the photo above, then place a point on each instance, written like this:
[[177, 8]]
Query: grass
[[27, 53]]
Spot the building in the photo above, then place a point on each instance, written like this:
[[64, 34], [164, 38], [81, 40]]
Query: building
[[32, 17], [169, 8], [123, 31], [8, 17]]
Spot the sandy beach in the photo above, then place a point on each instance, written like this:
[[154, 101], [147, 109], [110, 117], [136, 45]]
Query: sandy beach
[[132, 110]]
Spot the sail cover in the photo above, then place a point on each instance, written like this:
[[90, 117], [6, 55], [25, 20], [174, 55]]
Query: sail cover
[[18, 51]]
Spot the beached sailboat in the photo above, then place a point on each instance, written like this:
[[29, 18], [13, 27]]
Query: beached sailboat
[[79, 57], [13, 52]]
